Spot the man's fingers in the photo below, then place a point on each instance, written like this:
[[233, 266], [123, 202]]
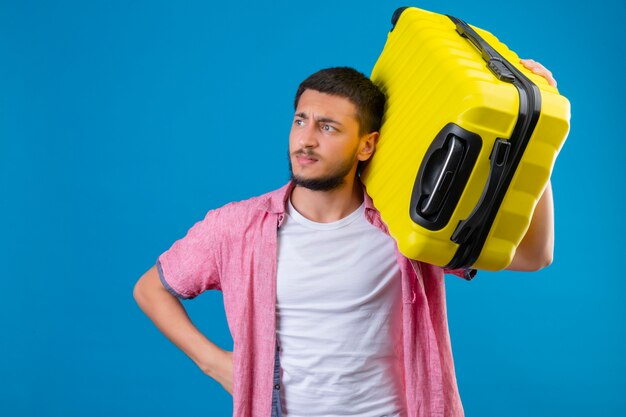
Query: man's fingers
[[539, 69]]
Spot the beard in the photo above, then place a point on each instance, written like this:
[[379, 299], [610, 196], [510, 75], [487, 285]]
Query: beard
[[326, 182]]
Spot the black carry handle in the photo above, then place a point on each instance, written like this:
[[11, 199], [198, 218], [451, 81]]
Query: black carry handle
[[490, 55], [498, 167], [431, 202], [443, 174]]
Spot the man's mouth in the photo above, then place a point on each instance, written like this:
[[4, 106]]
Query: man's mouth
[[305, 158]]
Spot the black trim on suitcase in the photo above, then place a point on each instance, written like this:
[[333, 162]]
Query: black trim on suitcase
[[396, 16], [472, 232]]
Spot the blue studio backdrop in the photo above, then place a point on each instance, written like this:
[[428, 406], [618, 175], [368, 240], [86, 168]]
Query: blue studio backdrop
[[123, 122]]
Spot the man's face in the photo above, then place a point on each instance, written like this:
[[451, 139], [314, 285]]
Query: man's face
[[324, 143]]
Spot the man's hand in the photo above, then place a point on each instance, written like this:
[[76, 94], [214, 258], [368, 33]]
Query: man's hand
[[539, 69], [221, 370]]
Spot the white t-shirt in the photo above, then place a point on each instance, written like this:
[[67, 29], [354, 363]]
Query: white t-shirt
[[339, 318]]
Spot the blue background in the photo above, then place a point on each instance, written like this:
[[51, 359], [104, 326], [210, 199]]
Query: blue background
[[122, 123]]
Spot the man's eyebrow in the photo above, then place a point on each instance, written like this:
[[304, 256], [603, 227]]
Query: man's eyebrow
[[322, 119], [328, 120]]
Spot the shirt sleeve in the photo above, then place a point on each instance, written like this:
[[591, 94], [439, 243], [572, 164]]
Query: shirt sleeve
[[465, 273], [189, 267]]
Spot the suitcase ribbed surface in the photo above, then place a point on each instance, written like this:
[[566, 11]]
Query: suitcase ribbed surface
[[432, 77]]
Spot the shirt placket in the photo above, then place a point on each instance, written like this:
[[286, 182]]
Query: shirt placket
[[276, 405]]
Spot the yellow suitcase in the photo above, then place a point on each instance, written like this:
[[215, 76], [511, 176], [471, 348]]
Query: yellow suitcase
[[467, 145]]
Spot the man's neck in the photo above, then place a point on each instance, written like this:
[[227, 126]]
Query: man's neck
[[328, 206]]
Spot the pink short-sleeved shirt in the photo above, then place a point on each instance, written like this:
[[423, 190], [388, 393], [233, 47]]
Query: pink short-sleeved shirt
[[234, 248]]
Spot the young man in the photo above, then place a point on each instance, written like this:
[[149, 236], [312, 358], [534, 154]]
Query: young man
[[327, 317]]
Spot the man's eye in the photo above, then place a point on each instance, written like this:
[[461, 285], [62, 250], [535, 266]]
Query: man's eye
[[298, 122], [328, 128]]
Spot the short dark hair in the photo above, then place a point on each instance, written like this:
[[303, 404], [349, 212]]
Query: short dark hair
[[351, 84]]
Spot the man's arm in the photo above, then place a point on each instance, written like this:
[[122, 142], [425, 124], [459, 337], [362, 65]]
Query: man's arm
[[536, 249], [170, 317]]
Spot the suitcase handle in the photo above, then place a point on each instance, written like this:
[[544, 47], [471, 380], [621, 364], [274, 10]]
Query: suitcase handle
[[488, 53], [498, 164], [449, 157], [443, 173]]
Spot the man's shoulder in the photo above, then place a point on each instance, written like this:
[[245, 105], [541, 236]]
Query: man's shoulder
[[272, 202]]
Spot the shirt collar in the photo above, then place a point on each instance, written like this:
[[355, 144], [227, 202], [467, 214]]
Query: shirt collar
[[276, 202]]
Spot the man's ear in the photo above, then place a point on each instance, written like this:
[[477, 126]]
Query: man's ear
[[367, 146]]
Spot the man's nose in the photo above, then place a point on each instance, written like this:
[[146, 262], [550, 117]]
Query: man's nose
[[308, 136]]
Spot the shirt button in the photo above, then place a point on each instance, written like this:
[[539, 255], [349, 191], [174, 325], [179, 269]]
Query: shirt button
[[277, 386]]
